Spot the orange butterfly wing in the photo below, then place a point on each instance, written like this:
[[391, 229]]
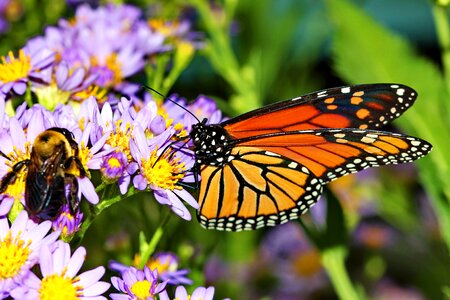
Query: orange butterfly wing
[[367, 106], [274, 178]]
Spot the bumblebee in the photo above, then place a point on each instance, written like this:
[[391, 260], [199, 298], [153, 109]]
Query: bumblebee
[[52, 171]]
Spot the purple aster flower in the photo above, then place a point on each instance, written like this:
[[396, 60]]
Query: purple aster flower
[[114, 166], [122, 38], [16, 72], [287, 253], [20, 244], [61, 84], [202, 107], [59, 277], [137, 284], [165, 262], [167, 265], [161, 170], [68, 222], [200, 293]]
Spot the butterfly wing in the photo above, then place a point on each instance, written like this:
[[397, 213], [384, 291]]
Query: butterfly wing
[[366, 106], [257, 188], [332, 153], [273, 178]]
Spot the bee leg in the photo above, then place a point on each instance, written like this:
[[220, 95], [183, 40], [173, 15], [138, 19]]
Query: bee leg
[[72, 197], [76, 160], [11, 176]]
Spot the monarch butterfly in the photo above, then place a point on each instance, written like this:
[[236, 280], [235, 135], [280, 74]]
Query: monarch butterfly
[[269, 166]]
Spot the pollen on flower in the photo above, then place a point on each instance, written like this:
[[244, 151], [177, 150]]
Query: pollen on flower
[[163, 171], [84, 154], [141, 289], [121, 139], [58, 287], [110, 70], [93, 90], [13, 255], [14, 68]]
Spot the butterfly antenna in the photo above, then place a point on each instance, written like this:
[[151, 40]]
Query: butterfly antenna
[[174, 102], [170, 145]]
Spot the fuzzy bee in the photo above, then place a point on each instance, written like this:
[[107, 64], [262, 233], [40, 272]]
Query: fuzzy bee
[[52, 171]]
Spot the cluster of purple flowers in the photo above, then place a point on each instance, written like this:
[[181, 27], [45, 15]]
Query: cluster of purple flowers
[[134, 143], [25, 245], [93, 54]]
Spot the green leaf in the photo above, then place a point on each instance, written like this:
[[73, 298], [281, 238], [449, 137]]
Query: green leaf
[[364, 51]]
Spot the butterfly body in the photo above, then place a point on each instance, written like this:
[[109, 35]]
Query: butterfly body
[[269, 166]]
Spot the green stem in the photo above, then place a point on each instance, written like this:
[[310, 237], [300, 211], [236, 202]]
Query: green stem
[[96, 210], [443, 33], [151, 246], [333, 259]]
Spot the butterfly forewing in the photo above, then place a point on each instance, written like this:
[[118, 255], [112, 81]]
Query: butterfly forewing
[[367, 106], [256, 188], [330, 154]]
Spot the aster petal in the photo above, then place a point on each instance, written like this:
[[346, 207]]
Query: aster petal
[[88, 190], [17, 135], [199, 294], [20, 223], [164, 296], [91, 276], [186, 196], [62, 73], [4, 227], [46, 261], [123, 182], [181, 293], [20, 87], [116, 296], [178, 206], [140, 182], [97, 288], [117, 282], [74, 80], [76, 262], [209, 293], [5, 205], [37, 233], [60, 257]]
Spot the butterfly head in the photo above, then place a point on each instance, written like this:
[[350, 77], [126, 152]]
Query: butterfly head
[[211, 144]]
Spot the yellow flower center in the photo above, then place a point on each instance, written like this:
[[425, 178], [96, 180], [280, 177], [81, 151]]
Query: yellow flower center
[[121, 139], [93, 90], [17, 188], [141, 289], [84, 154], [307, 263], [162, 171], [13, 255], [15, 68], [58, 287]]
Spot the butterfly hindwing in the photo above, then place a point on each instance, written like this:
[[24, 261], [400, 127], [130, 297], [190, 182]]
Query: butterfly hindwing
[[256, 188], [367, 106]]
